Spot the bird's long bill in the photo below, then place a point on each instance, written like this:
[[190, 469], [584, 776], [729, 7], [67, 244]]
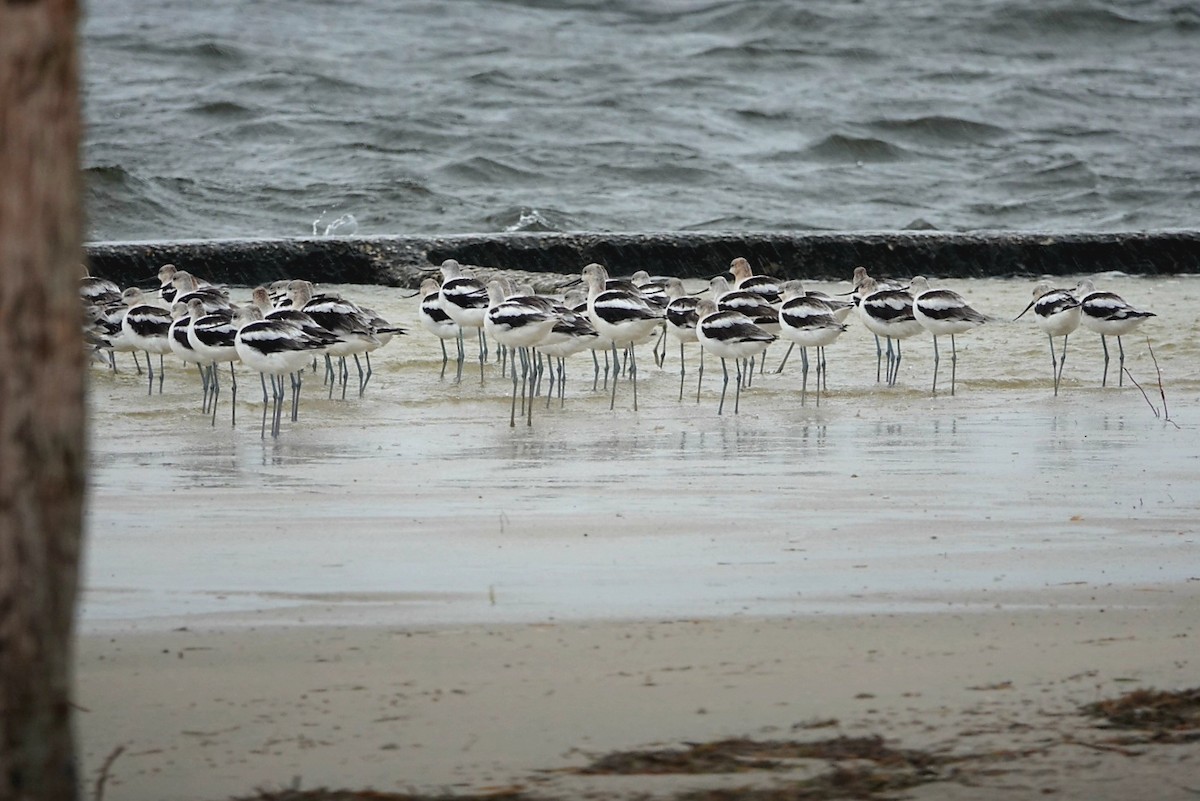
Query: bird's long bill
[[413, 295], [1027, 308]]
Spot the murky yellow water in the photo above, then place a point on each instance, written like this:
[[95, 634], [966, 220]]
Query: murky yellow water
[[418, 502]]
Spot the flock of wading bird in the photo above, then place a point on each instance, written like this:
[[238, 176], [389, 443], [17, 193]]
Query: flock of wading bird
[[287, 326]]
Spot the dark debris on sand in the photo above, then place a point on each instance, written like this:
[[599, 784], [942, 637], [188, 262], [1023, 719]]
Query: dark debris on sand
[[874, 771], [323, 794], [1162, 716], [876, 768], [739, 755], [858, 767]]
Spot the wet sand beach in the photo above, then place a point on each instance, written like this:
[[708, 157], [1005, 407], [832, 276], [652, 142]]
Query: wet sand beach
[[401, 591]]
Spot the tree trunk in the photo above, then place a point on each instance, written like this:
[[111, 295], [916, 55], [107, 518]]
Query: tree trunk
[[42, 456]]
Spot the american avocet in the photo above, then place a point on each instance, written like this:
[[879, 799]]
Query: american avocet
[[1056, 311], [177, 339], [213, 337], [384, 332], [576, 301], [434, 318], [888, 313], [275, 348], [572, 333], [729, 335], [840, 309], [681, 322], [274, 304], [622, 317], [346, 321], [1108, 315], [651, 294], [807, 321], [188, 286], [745, 280], [96, 295], [755, 305], [943, 311], [94, 291], [465, 299], [519, 323], [146, 326], [654, 289], [261, 298], [166, 288], [752, 304], [860, 275], [277, 292], [103, 327]]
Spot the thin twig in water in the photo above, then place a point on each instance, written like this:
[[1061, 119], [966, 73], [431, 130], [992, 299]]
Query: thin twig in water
[[1103, 747], [1149, 403], [1161, 391], [102, 779]]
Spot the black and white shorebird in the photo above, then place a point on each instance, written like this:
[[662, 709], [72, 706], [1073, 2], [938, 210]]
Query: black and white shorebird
[[181, 346], [860, 276], [102, 310], [577, 301], [840, 309], [755, 305], [681, 323], [940, 312], [384, 332], [433, 317], [729, 335], [166, 286], [103, 330], [213, 336], [465, 299], [146, 326], [519, 323], [743, 278], [808, 321], [622, 317], [96, 291], [188, 287], [572, 333], [1057, 313], [1107, 314], [752, 304], [349, 323], [652, 287], [275, 348], [888, 313]]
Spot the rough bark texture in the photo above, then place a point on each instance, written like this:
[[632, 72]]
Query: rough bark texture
[[41, 395], [400, 260]]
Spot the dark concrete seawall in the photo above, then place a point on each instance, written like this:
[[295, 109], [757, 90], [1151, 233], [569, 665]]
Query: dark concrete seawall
[[398, 261]]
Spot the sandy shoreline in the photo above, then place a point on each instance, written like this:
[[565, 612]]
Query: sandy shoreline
[[207, 713], [403, 592]]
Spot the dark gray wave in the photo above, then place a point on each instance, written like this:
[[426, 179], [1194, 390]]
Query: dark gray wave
[[267, 119]]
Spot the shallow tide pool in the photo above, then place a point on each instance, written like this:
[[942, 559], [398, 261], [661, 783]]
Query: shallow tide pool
[[418, 504]]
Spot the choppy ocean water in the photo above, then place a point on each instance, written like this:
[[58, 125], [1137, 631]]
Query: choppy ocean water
[[278, 117]]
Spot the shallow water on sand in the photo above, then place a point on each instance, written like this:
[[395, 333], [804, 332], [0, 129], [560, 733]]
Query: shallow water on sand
[[417, 503]]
